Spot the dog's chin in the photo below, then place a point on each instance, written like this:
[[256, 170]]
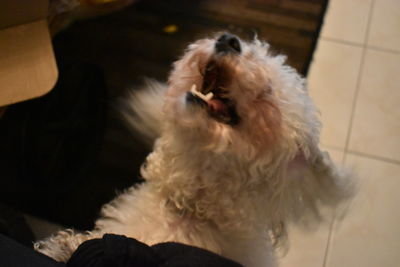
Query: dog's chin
[[221, 107]]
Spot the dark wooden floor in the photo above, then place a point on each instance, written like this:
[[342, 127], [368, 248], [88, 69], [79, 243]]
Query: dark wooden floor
[[132, 44]]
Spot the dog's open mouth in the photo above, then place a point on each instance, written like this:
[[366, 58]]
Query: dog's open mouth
[[213, 95]]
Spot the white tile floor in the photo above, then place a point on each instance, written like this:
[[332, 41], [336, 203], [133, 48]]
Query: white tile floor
[[355, 80]]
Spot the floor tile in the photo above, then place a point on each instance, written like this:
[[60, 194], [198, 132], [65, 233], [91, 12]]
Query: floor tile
[[347, 20], [369, 236], [306, 248], [385, 25], [376, 126], [332, 82]]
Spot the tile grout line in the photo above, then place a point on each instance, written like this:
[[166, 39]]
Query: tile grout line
[[331, 227], [329, 241], [358, 84], [350, 43], [374, 157], [357, 153], [353, 109], [337, 40], [376, 48]]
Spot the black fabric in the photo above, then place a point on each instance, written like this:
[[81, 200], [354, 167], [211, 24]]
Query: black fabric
[[50, 144], [120, 251], [13, 254], [179, 255], [113, 251]]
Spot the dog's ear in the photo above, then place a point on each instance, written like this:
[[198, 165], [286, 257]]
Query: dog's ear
[[142, 110], [309, 178], [313, 181]]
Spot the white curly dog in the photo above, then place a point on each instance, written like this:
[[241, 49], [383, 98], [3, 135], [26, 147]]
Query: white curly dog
[[236, 157]]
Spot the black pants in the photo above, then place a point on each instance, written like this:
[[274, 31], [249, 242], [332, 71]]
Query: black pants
[[114, 251]]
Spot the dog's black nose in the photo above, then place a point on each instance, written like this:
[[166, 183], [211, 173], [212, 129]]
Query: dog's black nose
[[228, 43]]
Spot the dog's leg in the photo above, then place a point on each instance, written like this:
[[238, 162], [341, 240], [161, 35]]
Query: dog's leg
[[61, 245]]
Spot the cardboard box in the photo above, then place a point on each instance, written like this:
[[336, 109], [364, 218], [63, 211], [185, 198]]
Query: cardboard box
[[27, 64]]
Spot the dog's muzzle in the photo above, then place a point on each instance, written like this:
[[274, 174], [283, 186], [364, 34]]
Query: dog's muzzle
[[213, 93]]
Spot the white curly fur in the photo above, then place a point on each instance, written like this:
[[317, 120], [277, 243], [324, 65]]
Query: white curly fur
[[228, 189]]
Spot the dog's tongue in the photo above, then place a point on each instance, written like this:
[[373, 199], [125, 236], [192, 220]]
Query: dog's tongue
[[218, 106]]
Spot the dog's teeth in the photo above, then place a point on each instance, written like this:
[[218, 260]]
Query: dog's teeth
[[209, 96], [206, 97], [193, 89]]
